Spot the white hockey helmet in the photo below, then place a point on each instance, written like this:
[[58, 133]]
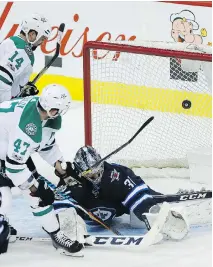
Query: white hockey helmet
[[36, 23], [55, 96]]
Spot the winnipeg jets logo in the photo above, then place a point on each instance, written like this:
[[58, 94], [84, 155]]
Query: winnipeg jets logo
[[103, 213], [114, 175]]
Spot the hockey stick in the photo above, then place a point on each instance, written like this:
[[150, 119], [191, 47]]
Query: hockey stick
[[119, 148], [152, 237], [90, 214], [197, 195], [58, 45], [102, 241]]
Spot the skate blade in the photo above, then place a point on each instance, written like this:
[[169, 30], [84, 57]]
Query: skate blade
[[78, 254]]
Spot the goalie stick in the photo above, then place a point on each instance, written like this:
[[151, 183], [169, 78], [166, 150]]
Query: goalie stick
[[119, 148], [184, 196], [100, 241], [58, 45], [105, 240]]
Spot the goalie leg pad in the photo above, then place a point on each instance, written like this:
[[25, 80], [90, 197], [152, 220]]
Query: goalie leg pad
[[47, 218], [169, 222], [156, 222], [73, 225], [176, 226]]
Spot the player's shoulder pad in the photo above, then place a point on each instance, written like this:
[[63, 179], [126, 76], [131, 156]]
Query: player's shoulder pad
[[30, 122], [54, 123], [21, 44]]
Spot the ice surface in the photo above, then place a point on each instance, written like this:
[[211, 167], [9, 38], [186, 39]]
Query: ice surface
[[194, 251]]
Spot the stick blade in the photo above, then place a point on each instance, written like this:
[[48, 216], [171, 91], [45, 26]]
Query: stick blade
[[141, 128]]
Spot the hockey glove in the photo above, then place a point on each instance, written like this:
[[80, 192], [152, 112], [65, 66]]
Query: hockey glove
[[31, 166], [44, 193], [29, 90], [69, 171]]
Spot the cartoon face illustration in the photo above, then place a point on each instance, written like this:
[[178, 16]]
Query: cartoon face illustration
[[183, 26]]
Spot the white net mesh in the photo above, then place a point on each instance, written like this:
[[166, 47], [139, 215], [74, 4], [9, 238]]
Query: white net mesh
[[127, 89]]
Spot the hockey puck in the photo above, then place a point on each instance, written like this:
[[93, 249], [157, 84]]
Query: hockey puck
[[186, 104]]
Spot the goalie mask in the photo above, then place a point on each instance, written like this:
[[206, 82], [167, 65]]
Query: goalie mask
[[84, 159]]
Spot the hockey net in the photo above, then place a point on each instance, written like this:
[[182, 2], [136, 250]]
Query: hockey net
[[126, 83]]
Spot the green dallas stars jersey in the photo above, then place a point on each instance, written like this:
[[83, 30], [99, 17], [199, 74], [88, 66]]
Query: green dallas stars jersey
[[22, 133]]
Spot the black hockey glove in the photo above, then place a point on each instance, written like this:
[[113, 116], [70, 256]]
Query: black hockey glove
[[4, 235], [69, 171], [31, 166], [29, 90], [44, 193]]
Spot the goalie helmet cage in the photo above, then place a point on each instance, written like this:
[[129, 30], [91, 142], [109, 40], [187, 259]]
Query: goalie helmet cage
[[126, 82]]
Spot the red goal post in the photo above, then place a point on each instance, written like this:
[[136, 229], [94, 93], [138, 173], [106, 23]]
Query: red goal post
[[102, 60]]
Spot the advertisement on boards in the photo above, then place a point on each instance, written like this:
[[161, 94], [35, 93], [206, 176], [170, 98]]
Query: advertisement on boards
[[103, 21]]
